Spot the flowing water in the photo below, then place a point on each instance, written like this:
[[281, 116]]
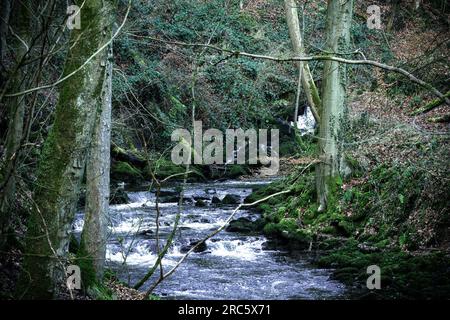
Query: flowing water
[[233, 266]]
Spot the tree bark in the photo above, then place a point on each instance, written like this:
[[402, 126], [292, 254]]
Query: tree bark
[[14, 135], [5, 10], [63, 157], [92, 252], [338, 23], [312, 94]]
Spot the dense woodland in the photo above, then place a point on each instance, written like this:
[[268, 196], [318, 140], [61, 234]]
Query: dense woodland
[[87, 111]]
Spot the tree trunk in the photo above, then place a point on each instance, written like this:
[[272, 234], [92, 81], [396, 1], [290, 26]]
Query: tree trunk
[[92, 252], [16, 119], [63, 158], [339, 17], [5, 10], [312, 94], [395, 5]]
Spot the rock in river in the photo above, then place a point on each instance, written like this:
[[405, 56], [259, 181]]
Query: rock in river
[[119, 196], [231, 199], [201, 247], [216, 200], [242, 225], [200, 203]]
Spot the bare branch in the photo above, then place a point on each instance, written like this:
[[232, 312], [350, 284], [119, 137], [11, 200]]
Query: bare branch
[[80, 67], [373, 63]]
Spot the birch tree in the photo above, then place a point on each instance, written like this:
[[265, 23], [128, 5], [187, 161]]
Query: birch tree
[[63, 157], [337, 39], [92, 251]]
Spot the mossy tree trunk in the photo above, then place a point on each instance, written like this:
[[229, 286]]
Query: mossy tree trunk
[[311, 92], [63, 157], [92, 251], [21, 27], [337, 33]]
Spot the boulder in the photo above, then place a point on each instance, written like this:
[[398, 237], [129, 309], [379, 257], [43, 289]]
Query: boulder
[[119, 196], [201, 247], [173, 199], [243, 225], [216, 200], [231, 199], [146, 232], [200, 203], [269, 245], [168, 199], [168, 193]]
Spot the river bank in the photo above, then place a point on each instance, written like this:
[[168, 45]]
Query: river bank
[[381, 219]]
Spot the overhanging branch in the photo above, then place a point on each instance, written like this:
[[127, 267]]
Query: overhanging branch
[[373, 63]]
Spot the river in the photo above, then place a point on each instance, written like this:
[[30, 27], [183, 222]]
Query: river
[[233, 266]]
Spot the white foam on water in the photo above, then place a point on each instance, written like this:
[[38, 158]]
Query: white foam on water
[[139, 204], [140, 254], [130, 225], [135, 258], [238, 249], [78, 225], [204, 226], [305, 122], [244, 182]]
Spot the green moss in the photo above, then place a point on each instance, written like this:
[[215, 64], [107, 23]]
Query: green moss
[[122, 170], [247, 21], [101, 292], [164, 168], [431, 105], [271, 229], [402, 275], [288, 225], [60, 155], [237, 170], [303, 235], [86, 264], [315, 95]]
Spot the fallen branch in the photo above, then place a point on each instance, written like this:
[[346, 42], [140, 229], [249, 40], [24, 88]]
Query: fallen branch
[[440, 119], [431, 105]]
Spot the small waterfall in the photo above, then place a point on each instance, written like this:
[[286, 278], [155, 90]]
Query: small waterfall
[[305, 122]]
